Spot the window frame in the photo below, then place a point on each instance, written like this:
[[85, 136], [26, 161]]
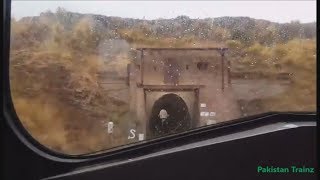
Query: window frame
[[120, 152]]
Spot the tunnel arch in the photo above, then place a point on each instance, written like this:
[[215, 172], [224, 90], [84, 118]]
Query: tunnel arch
[[179, 116]]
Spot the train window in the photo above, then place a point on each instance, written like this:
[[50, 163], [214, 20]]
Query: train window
[[82, 73]]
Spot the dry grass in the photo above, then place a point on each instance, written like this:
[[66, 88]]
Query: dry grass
[[56, 92], [52, 123], [138, 38], [59, 101], [299, 58]]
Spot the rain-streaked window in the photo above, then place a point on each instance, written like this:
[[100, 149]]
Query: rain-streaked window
[[93, 75]]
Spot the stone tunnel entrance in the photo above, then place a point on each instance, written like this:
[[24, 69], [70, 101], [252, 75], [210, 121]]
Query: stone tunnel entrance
[[179, 118]]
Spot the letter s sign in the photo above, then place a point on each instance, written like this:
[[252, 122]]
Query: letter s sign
[[132, 134]]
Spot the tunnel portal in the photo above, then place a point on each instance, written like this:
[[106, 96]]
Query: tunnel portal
[[178, 120]]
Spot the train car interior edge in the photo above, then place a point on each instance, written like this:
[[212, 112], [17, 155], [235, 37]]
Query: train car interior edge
[[176, 90]]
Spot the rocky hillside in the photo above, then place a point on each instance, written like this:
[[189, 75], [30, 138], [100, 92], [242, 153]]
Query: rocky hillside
[[245, 29]]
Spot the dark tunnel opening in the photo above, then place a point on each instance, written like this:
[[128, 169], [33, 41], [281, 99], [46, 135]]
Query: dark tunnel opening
[[178, 120]]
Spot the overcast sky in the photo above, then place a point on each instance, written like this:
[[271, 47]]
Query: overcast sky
[[277, 11]]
